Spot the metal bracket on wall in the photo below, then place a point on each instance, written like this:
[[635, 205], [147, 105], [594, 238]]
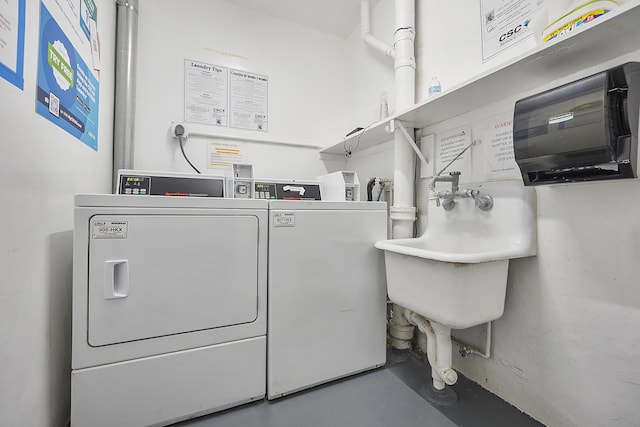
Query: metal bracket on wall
[[393, 124]]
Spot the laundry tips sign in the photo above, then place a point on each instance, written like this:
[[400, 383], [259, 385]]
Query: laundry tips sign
[[68, 90]]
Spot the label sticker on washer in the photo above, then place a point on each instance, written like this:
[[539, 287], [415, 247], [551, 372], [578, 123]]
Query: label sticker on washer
[[286, 219], [109, 229]]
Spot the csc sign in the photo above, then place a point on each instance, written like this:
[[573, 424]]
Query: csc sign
[[513, 31]]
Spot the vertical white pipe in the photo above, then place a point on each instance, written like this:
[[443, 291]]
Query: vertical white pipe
[[405, 64], [443, 353], [403, 210], [402, 213]]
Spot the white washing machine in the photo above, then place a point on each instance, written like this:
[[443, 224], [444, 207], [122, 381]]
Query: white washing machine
[[169, 308], [327, 292]]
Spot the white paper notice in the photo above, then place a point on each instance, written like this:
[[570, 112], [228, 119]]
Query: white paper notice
[[95, 45], [505, 23], [9, 33], [499, 155], [449, 144], [205, 93], [221, 155], [248, 100]]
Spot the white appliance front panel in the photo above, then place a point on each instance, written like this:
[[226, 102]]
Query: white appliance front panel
[[164, 389], [158, 275], [327, 293]]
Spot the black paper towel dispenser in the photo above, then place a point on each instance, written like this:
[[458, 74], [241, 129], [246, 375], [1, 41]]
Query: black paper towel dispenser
[[581, 131]]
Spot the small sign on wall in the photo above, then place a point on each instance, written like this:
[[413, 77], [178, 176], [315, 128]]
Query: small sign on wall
[[221, 155], [451, 143], [506, 23], [498, 146], [248, 100], [205, 93], [12, 13]]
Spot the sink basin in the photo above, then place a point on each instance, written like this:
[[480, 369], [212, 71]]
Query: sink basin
[[456, 272]]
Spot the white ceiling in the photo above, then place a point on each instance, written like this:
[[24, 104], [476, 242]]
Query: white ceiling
[[337, 17]]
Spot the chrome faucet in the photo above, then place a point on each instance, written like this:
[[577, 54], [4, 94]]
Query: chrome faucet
[[447, 195], [483, 201]]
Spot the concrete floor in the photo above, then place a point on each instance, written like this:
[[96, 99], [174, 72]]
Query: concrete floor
[[397, 394]]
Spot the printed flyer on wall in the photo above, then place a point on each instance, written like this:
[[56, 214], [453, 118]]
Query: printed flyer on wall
[[505, 23], [68, 89], [12, 41], [500, 161], [449, 145], [248, 102], [205, 93]]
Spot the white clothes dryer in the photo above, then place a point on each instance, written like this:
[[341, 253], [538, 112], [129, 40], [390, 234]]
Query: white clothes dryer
[[169, 308]]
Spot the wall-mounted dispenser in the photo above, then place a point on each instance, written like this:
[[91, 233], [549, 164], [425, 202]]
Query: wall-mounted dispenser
[[582, 131]]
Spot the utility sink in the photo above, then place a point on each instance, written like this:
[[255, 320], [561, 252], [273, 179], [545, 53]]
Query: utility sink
[[456, 272]]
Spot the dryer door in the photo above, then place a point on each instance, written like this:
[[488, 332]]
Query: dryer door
[[157, 275]]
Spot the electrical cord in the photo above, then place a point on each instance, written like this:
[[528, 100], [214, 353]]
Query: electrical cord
[[185, 155], [349, 151]]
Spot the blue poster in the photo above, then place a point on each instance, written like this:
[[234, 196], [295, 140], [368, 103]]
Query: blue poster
[[67, 92], [12, 41]]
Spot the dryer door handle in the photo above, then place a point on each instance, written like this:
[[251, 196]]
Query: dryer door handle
[[116, 279]]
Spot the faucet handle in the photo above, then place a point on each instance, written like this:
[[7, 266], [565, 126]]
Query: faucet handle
[[472, 193], [484, 202]]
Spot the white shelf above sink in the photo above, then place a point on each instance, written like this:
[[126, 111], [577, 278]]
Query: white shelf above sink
[[612, 35]]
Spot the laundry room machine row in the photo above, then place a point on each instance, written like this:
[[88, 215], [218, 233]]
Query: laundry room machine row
[[189, 305]]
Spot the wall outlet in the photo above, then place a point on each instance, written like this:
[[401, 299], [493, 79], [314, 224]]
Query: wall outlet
[[179, 130]]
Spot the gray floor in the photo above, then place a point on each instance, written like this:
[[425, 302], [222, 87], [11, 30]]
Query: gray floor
[[390, 396]]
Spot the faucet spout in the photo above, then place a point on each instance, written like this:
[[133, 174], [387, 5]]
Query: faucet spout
[[453, 178]]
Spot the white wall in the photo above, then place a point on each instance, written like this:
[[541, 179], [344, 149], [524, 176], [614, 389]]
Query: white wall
[[41, 168], [307, 80], [565, 351]]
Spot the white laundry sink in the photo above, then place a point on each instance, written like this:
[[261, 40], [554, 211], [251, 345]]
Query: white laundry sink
[[456, 272]]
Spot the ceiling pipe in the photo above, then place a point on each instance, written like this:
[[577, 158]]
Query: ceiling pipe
[[369, 38], [124, 108]]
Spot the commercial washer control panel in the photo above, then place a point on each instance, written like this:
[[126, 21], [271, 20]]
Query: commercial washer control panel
[[287, 190], [144, 183]]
